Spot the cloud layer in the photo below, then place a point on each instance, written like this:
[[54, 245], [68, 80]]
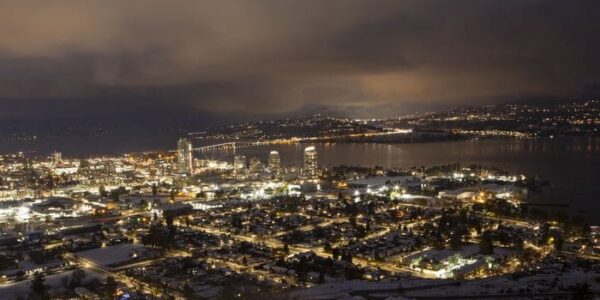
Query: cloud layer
[[67, 57]]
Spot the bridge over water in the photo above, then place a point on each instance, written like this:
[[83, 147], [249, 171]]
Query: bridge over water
[[230, 146], [245, 144]]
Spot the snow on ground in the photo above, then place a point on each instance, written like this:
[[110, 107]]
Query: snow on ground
[[112, 255], [549, 282], [13, 290], [30, 266], [342, 289], [540, 283]]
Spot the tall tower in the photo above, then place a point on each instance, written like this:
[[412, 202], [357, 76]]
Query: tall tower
[[56, 157], [239, 165], [310, 162], [274, 162], [255, 165], [184, 157]]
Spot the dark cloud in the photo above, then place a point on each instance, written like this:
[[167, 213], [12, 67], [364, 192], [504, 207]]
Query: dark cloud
[[218, 58]]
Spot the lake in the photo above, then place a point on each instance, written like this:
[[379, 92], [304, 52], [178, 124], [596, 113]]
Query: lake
[[572, 165]]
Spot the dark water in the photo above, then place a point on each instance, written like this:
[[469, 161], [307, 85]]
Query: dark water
[[90, 145], [572, 165]]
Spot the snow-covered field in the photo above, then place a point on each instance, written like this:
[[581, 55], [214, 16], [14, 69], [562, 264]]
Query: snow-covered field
[[414, 288], [111, 255], [13, 290]]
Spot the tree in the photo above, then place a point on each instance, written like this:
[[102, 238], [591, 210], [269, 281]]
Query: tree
[[38, 291], [143, 204], [188, 291], [585, 229], [236, 221], [335, 253], [558, 242], [76, 278], [20, 275], [296, 237], [519, 244], [327, 247], [376, 256], [352, 273], [154, 190], [321, 278], [114, 195], [102, 191], [544, 233], [19, 227], [110, 288], [455, 241], [158, 237], [6, 262], [169, 220], [302, 268], [486, 246], [346, 256], [438, 241]]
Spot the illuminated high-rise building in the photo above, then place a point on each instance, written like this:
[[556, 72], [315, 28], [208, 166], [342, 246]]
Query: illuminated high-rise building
[[274, 162], [184, 157], [255, 165], [239, 165], [56, 157], [310, 162]]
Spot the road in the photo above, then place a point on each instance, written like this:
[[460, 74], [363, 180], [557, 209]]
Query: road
[[129, 282], [297, 249]]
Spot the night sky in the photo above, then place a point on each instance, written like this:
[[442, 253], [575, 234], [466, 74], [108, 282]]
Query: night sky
[[152, 61]]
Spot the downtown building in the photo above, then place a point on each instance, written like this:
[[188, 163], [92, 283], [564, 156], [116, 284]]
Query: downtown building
[[274, 162], [255, 165], [309, 169], [184, 157], [239, 165]]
